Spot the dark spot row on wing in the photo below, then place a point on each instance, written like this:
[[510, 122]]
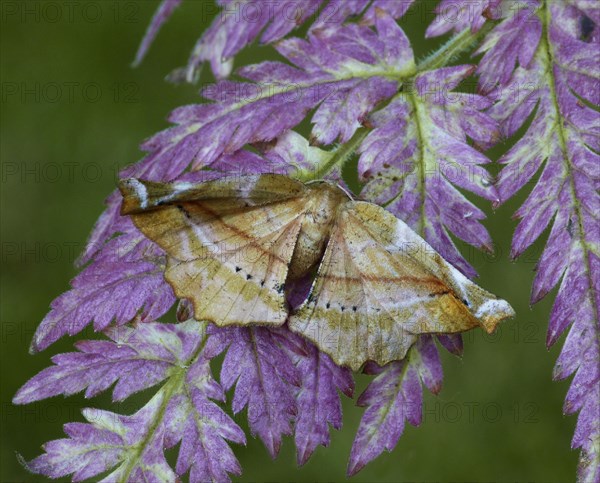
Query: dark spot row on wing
[[343, 307], [248, 276]]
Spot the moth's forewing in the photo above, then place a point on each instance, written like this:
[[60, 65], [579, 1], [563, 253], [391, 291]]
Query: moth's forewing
[[235, 191], [380, 285], [399, 238], [229, 242]]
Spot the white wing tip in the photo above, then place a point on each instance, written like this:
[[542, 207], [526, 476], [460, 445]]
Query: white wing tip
[[492, 312]]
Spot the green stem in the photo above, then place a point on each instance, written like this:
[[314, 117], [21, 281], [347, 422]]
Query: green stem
[[424, 150], [339, 157], [173, 385], [454, 47]]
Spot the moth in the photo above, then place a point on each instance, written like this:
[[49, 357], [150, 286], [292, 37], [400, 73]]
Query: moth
[[235, 245]]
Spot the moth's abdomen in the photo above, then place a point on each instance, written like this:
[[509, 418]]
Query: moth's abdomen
[[323, 202]]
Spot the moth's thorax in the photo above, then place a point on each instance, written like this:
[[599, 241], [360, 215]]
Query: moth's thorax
[[323, 201]]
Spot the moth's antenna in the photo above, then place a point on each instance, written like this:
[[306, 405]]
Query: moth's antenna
[[332, 183], [348, 193]]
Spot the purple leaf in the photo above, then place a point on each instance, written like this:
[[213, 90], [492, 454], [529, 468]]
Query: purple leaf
[[264, 377], [242, 22], [318, 400], [561, 143], [514, 40], [132, 447], [418, 150], [124, 281], [327, 75], [393, 397], [453, 343], [107, 444], [238, 25], [163, 12], [135, 358], [458, 16]]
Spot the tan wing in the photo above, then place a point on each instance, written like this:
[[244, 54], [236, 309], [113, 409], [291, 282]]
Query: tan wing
[[233, 192], [380, 285], [229, 242]]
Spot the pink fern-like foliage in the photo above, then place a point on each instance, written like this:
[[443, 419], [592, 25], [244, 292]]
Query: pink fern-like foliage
[[411, 170], [264, 377], [394, 396], [131, 448], [239, 23], [122, 283], [554, 92], [419, 139], [318, 403]]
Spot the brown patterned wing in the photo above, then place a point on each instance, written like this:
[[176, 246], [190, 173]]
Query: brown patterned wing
[[233, 192], [229, 242], [380, 285]]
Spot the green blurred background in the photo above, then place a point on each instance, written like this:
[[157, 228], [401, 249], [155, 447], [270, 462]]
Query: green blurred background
[[73, 112]]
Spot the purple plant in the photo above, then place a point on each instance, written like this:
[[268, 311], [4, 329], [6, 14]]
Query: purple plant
[[419, 139], [556, 90]]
